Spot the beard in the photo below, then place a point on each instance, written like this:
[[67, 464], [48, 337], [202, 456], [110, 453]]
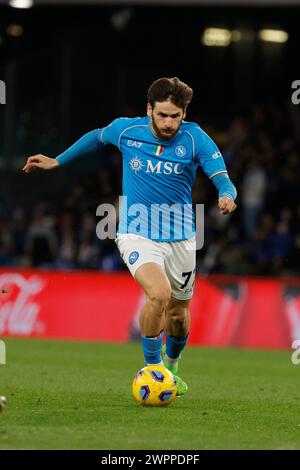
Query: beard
[[164, 134]]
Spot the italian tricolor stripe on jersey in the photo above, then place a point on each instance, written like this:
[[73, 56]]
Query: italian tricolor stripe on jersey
[[158, 149]]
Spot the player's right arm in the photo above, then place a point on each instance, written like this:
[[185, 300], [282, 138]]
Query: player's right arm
[[89, 142]]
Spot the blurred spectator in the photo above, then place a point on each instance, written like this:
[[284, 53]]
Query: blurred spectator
[[294, 256], [87, 257], [42, 243], [67, 250], [253, 193], [6, 243], [280, 244], [19, 230]]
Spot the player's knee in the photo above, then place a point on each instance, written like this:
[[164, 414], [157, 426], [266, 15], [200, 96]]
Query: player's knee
[[178, 315], [160, 295]]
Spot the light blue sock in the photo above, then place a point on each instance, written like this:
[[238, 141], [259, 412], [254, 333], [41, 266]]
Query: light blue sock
[[174, 346], [152, 348]]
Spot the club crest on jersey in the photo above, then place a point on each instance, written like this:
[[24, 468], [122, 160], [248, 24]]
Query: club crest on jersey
[[180, 150], [136, 164], [133, 257], [158, 149]]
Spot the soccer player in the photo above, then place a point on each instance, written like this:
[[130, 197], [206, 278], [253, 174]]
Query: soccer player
[[161, 153]]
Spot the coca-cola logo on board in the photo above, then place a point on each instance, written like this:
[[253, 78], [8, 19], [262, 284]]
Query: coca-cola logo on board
[[18, 310]]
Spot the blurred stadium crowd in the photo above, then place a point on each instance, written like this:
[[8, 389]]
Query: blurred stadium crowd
[[261, 148]]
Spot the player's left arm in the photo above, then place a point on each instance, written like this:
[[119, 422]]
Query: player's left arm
[[210, 158]]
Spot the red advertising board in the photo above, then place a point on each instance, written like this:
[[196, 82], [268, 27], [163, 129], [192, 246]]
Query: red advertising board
[[238, 311]]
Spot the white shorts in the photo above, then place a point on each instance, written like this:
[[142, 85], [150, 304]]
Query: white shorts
[[178, 259]]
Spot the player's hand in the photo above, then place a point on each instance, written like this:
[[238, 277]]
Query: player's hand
[[40, 161], [226, 205]]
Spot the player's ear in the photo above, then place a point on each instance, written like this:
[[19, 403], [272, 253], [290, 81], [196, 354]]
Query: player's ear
[[149, 110], [184, 113]]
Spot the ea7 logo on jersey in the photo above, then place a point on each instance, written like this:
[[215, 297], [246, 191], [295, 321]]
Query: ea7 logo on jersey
[[217, 155], [133, 143]]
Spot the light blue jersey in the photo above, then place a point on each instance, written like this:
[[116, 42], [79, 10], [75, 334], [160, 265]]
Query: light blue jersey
[[158, 175]]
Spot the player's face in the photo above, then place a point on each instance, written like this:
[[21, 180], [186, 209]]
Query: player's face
[[166, 119]]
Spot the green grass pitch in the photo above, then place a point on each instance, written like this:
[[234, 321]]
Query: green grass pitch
[[76, 395]]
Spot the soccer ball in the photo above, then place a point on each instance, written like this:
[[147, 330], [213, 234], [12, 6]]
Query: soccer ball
[[154, 386]]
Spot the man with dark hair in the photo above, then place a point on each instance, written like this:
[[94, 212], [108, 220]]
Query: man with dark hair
[[172, 89], [161, 153]]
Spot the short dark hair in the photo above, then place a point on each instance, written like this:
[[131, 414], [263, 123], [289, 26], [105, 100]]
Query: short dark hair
[[172, 89]]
